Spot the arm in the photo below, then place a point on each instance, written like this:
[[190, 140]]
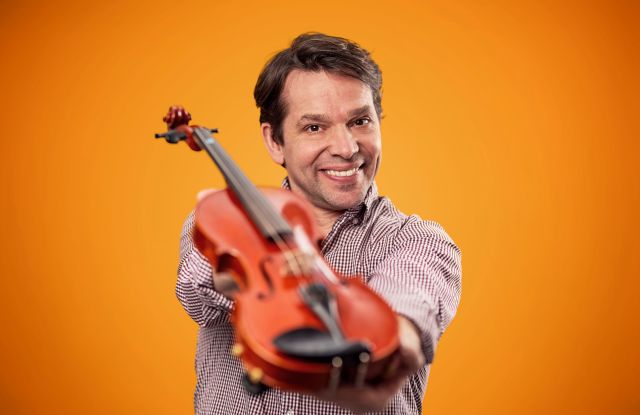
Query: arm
[[421, 279], [195, 289]]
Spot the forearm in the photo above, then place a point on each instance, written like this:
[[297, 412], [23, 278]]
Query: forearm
[[194, 288], [421, 280]]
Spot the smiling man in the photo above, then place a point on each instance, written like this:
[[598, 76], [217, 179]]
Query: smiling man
[[320, 111], [332, 148]]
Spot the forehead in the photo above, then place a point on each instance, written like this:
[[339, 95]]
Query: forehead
[[321, 92]]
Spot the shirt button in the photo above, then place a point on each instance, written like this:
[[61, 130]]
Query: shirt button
[[355, 221], [289, 412]]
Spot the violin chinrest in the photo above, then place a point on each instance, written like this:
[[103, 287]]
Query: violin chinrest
[[308, 343]]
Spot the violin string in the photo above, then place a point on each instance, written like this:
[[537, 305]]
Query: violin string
[[240, 183], [239, 180], [231, 173], [235, 175], [302, 241], [266, 210], [321, 266], [293, 260]]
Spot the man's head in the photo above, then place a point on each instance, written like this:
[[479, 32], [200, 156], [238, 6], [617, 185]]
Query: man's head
[[313, 52], [320, 118]]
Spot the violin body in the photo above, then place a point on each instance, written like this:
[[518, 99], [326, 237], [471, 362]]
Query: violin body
[[270, 305], [298, 325]]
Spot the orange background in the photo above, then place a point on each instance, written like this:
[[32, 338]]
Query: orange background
[[513, 124]]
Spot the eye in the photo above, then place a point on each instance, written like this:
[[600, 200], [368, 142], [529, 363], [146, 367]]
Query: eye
[[312, 128], [362, 121]]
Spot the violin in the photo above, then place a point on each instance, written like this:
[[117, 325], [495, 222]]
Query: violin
[[297, 324]]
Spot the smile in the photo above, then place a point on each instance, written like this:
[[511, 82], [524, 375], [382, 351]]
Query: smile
[[342, 173]]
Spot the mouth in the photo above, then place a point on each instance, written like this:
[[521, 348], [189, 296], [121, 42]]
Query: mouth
[[342, 173]]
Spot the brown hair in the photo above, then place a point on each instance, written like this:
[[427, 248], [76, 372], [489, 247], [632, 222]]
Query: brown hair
[[313, 52]]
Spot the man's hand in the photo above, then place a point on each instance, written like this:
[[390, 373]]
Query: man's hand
[[376, 397], [223, 282]]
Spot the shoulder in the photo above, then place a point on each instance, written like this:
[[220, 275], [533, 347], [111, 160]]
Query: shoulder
[[407, 228]]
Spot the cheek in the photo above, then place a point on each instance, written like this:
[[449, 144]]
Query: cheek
[[378, 147], [372, 146], [295, 161], [303, 155]]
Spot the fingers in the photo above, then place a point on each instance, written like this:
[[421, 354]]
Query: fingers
[[371, 397], [204, 193], [410, 350], [225, 284], [364, 399], [375, 397]]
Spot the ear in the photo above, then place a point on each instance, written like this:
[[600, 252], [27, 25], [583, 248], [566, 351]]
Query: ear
[[273, 147]]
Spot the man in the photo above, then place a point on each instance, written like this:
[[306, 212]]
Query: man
[[320, 110]]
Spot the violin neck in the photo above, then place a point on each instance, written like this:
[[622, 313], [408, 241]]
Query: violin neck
[[264, 216]]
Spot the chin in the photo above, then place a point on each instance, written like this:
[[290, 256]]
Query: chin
[[345, 203]]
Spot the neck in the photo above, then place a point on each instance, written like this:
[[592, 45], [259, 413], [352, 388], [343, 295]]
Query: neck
[[325, 219]]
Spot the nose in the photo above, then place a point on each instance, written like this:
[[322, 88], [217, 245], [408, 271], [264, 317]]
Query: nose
[[343, 143]]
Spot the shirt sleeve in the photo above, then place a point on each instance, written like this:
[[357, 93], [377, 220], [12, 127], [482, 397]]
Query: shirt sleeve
[[421, 279], [195, 289]]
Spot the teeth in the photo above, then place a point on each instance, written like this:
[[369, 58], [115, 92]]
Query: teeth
[[342, 173]]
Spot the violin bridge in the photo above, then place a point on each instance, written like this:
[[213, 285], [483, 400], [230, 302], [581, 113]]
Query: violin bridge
[[297, 263], [363, 368]]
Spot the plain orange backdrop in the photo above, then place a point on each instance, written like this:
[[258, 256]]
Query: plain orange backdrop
[[512, 123]]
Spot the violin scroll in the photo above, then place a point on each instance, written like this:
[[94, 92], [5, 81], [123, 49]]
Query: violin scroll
[[178, 129], [176, 116]]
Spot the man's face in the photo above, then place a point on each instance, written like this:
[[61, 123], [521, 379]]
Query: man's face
[[331, 138]]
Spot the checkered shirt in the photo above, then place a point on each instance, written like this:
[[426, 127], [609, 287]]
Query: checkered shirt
[[410, 262]]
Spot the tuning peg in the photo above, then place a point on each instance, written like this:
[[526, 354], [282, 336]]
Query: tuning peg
[[172, 136]]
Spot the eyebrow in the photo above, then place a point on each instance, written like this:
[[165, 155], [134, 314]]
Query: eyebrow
[[313, 118], [322, 118], [365, 109]]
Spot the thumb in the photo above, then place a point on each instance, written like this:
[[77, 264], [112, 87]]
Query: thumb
[[204, 193], [224, 283]]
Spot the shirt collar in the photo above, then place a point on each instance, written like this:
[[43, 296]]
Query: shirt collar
[[358, 211]]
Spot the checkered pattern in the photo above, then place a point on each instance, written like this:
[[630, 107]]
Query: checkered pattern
[[410, 262]]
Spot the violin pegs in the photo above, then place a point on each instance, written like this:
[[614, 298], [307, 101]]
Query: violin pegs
[[172, 136]]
